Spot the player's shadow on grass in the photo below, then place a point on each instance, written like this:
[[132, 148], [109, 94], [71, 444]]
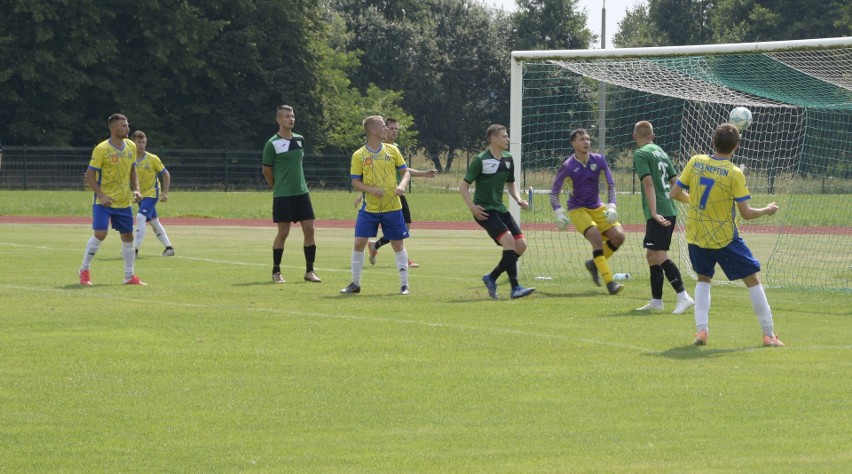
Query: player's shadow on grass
[[692, 352]]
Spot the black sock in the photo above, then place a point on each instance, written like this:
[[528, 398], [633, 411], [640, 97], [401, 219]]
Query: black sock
[[597, 253], [612, 246], [381, 242], [276, 260], [509, 262], [310, 256], [673, 274], [656, 282], [498, 270]]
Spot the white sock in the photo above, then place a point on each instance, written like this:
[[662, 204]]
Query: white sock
[[702, 305], [92, 247], [129, 258], [357, 266], [140, 231], [761, 309], [402, 266], [161, 233]]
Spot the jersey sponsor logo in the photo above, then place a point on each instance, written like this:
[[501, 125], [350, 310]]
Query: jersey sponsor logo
[[113, 158], [368, 161], [281, 146], [490, 166]]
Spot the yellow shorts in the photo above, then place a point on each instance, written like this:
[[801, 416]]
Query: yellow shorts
[[583, 218]]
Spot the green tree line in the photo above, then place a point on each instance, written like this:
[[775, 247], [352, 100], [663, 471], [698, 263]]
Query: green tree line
[[210, 74]]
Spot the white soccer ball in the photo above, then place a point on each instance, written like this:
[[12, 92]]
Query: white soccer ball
[[740, 117]]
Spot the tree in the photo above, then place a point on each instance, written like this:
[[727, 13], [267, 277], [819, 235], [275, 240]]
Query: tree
[[635, 30], [550, 24]]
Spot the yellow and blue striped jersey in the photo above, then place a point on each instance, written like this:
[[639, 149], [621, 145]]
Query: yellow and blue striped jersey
[[148, 169], [113, 167], [714, 185], [378, 169]]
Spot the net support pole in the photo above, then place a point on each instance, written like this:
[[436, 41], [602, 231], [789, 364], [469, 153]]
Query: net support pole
[[602, 91], [515, 128]]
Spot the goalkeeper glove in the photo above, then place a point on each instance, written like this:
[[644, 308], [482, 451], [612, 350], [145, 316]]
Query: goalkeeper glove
[[611, 214], [562, 220]]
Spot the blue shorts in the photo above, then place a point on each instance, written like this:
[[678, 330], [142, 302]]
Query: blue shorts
[[122, 218], [393, 224], [148, 208], [735, 259]]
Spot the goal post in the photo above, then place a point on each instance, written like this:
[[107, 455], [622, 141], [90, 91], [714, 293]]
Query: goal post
[[797, 152]]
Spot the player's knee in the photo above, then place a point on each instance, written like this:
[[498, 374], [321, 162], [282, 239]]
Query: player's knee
[[520, 246]]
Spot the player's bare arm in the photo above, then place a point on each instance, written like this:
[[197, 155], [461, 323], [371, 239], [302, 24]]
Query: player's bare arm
[[167, 181], [747, 212], [93, 183], [268, 176], [477, 211], [422, 174], [134, 184], [360, 186], [403, 182], [651, 197], [513, 191]]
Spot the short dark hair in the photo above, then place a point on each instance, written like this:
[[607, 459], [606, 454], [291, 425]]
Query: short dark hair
[[578, 131], [138, 134], [493, 130], [115, 118], [726, 137], [391, 120]]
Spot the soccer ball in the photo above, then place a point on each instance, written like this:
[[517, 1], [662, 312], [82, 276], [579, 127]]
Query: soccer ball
[[741, 118]]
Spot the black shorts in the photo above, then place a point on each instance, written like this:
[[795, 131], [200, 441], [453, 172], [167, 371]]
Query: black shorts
[[406, 213], [292, 208], [498, 223], [658, 237]]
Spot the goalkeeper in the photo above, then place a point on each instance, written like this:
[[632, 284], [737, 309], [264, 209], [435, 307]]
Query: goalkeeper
[[598, 223]]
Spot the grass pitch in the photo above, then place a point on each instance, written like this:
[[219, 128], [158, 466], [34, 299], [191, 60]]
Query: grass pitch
[[213, 368]]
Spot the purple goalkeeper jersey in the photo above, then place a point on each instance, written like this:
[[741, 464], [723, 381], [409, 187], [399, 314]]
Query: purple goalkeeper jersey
[[585, 182]]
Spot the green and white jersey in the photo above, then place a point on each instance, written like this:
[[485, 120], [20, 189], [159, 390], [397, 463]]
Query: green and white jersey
[[285, 158], [490, 175], [651, 160]]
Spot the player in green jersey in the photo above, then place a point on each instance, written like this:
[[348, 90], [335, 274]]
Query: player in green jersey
[[658, 175], [491, 171], [291, 202]]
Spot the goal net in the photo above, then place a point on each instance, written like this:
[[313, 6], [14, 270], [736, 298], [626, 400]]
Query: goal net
[[797, 152]]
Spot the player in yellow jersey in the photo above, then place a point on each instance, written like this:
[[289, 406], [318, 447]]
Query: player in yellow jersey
[[717, 188], [112, 177], [374, 172], [149, 168], [374, 245]]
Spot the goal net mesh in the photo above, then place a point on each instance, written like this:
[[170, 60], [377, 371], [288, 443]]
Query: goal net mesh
[[797, 152]]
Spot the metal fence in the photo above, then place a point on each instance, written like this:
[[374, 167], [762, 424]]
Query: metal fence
[[63, 168]]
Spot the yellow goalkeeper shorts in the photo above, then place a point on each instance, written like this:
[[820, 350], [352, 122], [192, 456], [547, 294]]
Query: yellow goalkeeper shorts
[[585, 217]]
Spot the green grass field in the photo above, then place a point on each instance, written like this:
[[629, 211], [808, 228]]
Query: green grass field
[[212, 368]]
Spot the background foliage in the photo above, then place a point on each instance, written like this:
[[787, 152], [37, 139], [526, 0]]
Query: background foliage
[[209, 75]]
